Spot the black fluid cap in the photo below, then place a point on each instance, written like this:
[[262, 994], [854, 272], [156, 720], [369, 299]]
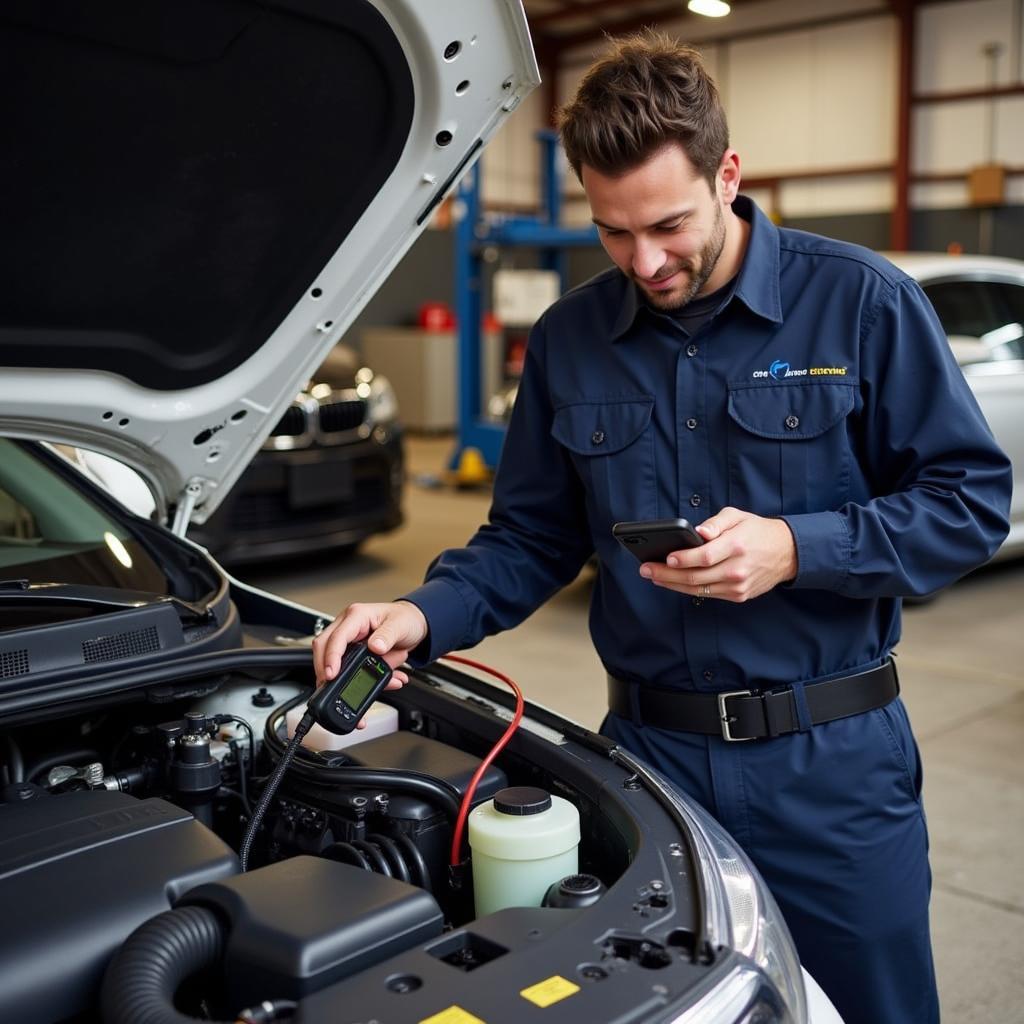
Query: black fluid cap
[[521, 800], [574, 892], [263, 698], [580, 884]]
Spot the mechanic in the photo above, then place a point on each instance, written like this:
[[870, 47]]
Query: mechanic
[[797, 398]]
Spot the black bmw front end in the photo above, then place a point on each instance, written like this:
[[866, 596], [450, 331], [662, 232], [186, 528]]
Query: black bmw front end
[[330, 475]]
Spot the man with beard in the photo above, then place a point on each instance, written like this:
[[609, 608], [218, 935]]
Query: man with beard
[[796, 397]]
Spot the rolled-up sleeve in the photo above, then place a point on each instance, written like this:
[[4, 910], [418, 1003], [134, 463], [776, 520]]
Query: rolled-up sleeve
[[535, 542], [942, 483]]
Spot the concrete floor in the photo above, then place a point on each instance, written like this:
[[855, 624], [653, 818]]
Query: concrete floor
[[962, 670]]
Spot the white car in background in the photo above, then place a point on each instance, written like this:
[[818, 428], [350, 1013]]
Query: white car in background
[[980, 301]]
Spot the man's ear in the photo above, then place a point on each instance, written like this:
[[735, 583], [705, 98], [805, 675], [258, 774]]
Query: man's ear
[[728, 178]]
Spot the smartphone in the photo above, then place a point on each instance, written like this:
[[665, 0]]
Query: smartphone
[[653, 540]]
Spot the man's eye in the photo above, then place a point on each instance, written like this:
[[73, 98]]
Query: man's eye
[[670, 227]]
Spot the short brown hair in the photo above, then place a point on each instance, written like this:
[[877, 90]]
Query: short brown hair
[[648, 92]]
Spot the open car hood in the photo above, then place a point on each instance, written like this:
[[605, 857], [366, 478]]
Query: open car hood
[[203, 194]]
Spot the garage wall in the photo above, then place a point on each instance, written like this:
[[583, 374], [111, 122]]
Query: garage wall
[[953, 136], [824, 98], [802, 100]]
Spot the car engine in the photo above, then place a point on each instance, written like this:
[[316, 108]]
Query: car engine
[[127, 820]]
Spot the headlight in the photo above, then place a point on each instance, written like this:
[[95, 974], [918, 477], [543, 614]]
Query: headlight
[[742, 914], [758, 929], [381, 401]]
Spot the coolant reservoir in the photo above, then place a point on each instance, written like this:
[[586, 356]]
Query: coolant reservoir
[[522, 841]]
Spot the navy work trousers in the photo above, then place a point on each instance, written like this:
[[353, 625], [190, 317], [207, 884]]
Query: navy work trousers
[[832, 818]]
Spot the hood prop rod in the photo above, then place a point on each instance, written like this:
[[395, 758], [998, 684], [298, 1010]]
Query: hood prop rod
[[183, 510]]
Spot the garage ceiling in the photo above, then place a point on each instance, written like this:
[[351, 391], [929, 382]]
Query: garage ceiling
[[560, 25], [562, 19]]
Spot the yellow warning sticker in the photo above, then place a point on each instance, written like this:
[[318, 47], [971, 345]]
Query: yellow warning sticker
[[553, 990], [453, 1015]]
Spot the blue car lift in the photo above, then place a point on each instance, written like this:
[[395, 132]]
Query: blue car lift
[[480, 439]]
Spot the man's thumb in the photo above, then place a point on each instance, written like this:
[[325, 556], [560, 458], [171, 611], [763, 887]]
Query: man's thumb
[[718, 524], [381, 641]]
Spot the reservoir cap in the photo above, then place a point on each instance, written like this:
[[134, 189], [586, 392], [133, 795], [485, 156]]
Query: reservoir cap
[[521, 800], [574, 891]]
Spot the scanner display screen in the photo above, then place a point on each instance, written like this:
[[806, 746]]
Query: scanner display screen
[[358, 687]]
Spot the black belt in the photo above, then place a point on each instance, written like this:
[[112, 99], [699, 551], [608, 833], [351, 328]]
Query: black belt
[[752, 714]]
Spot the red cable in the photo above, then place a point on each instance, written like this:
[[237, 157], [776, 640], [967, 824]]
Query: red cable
[[467, 800]]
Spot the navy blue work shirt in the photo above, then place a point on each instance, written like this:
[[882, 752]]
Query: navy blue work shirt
[[824, 392]]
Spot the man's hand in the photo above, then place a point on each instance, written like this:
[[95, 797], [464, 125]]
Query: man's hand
[[393, 630], [743, 557]]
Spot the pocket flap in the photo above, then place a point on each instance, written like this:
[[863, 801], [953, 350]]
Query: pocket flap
[[790, 412], [601, 428]]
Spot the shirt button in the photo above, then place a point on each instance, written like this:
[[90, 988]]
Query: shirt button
[[697, 601], [708, 674], [691, 423], [597, 437], [692, 350], [695, 500], [792, 422]]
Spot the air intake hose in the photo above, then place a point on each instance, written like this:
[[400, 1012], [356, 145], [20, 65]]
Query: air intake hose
[[146, 972]]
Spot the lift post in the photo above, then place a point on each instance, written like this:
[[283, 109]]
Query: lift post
[[479, 440]]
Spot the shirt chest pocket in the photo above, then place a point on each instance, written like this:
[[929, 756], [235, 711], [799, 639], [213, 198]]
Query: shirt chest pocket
[[611, 444], [788, 447]]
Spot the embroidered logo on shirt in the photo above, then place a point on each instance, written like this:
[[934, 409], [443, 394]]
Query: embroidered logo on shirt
[[780, 369]]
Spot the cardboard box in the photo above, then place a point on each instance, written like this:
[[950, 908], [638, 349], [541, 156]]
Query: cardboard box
[[986, 185]]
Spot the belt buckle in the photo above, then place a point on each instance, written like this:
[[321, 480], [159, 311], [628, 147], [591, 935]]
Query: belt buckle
[[724, 719]]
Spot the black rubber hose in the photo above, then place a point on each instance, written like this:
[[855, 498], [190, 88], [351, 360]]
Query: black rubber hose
[[413, 855], [400, 869], [429, 788], [433, 790], [146, 972], [373, 854], [346, 853]]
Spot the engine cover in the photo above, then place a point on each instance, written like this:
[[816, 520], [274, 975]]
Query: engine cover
[[99, 864]]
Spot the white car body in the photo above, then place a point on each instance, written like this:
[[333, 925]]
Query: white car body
[[980, 301]]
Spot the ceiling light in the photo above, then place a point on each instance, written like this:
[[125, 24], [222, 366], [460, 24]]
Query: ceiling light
[[709, 8]]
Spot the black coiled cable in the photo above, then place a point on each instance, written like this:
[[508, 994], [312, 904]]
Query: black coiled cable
[[271, 788]]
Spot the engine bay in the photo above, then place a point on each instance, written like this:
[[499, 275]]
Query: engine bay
[[121, 823]]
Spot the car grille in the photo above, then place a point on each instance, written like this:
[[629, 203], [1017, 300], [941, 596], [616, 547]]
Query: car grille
[[337, 415], [308, 420], [291, 424]]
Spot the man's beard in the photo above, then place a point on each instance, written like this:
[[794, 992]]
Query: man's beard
[[672, 301]]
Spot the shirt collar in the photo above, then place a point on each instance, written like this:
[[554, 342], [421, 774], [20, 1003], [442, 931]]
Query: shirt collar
[[757, 286]]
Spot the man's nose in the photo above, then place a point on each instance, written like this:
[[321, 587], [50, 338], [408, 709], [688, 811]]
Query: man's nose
[[648, 258]]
